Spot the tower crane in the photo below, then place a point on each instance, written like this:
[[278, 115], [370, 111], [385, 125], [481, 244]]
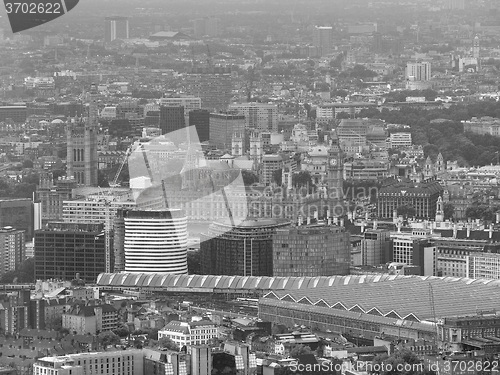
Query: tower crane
[[433, 311]]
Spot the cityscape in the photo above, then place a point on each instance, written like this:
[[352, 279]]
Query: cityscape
[[250, 187]]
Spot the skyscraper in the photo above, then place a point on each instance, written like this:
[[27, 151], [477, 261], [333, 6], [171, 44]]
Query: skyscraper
[[115, 28], [63, 250], [223, 126], [418, 71], [82, 161], [207, 26], [155, 241], [200, 118], [171, 119], [323, 39]]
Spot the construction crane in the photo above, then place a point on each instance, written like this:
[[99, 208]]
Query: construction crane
[[115, 183], [433, 311]]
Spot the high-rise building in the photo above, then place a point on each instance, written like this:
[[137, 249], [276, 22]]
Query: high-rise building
[[455, 4], [189, 103], [17, 213], [244, 250], [63, 250], [375, 247], [207, 26], [200, 119], [201, 359], [82, 160], [323, 39], [419, 71], [171, 119], [115, 28], [483, 266], [213, 85], [312, 250], [100, 209], [223, 126], [259, 116], [12, 249], [155, 241], [51, 196]]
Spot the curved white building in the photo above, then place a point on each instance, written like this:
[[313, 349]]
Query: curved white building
[[155, 241]]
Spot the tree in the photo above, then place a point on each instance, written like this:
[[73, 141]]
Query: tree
[[278, 177], [121, 332], [108, 338], [302, 179], [249, 178], [299, 350], [388, 365], [25, 273], [27, 163], [193, 261], [449, 211], [167, 343], [406, 211]]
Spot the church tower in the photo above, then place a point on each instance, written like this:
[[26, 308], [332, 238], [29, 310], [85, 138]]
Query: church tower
[[440, 167], [81, 136]]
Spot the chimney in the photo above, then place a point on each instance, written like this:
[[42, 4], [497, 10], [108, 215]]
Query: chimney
[[299, 221], [375, 223], [454, 230], [468, 231], [399, 227], [363, 227], [309, 220], [491, 231], [342, 222], [497, 217]]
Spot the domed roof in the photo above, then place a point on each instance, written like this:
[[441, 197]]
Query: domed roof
[[57, 121]]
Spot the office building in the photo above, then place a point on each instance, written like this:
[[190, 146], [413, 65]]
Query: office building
[[171, 119], [155, 241], [312, 250], [82, 160], [415, 249], [18, 114], [375, 247], [483, 265], [189, 104], [200, 119], [189, 333], [64, 250], [14, 312], [122, 362], [397, 140], [206, 26], [213, 85], [201, 359], [98, 209], [12, 249], [422, 197], [270, 164], [19, 214], [51, 196], [222, 128], [323, 39], [115, 28], [484, 125], [245, 249], [258, 116]]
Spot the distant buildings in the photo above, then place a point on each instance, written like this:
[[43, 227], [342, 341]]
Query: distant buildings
[[323, 39], [316, 250], [15, 113], [189, 104], [258, 116], [222, 128], [245, 249], [155, 241], [51, 196], [64, 250], [12, 249], [206, 26], [213, 85], [115, 28], [397, 140], [484, 125], [192, 333], [375, 247], [483, 266], [418, 75], [90, 319]]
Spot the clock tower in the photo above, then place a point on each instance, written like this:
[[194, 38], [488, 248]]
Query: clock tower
[[335, 170]]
